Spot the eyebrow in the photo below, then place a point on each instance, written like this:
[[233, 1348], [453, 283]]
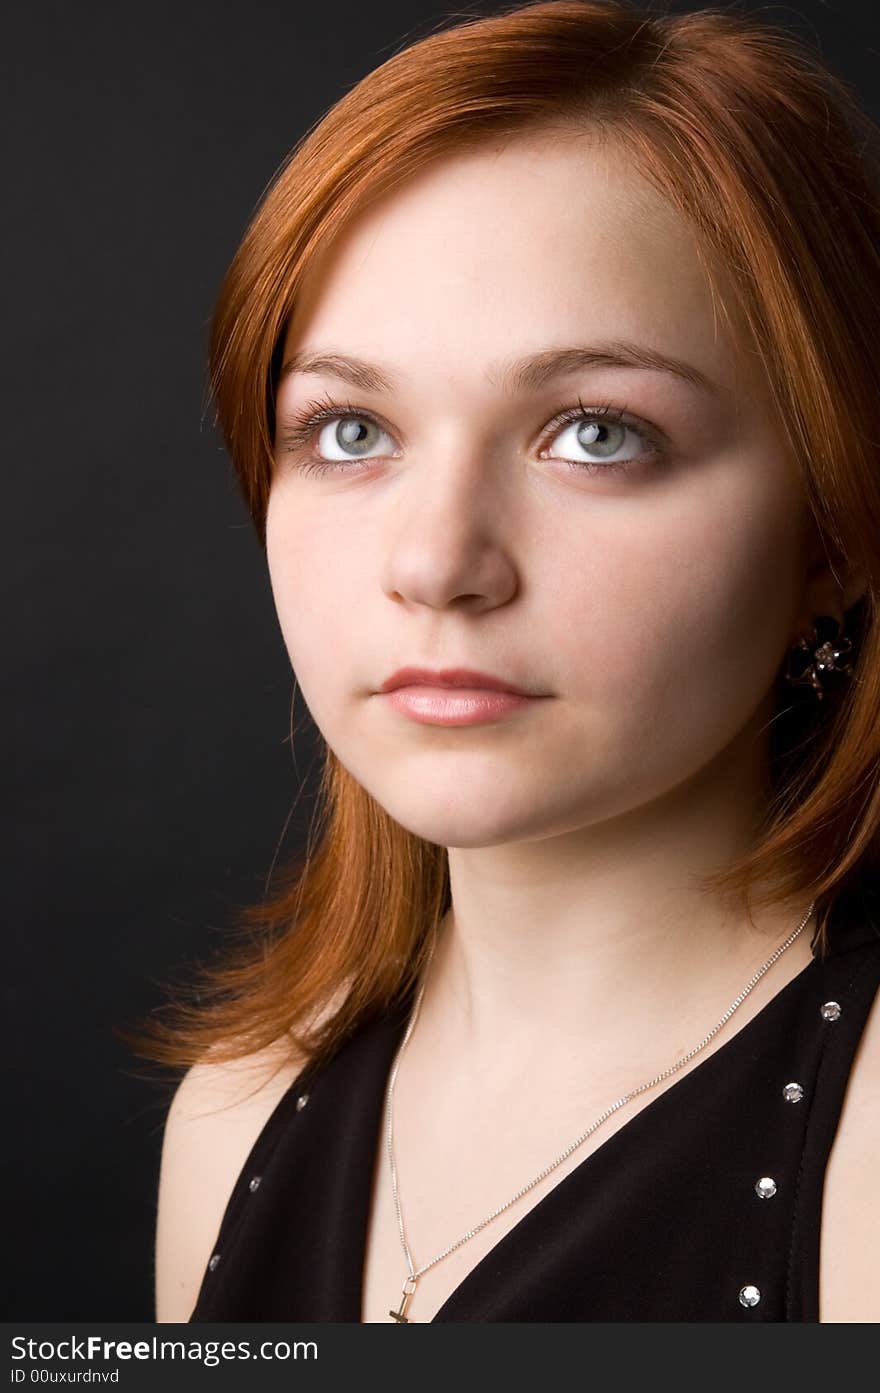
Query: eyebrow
[[529, 373]]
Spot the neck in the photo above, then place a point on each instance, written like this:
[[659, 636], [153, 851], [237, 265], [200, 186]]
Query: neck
[[605, 932]]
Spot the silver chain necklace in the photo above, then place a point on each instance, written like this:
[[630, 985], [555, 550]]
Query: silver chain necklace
[[409, 1285]]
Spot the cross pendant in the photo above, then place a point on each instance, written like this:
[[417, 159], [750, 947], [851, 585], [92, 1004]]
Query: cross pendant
[[400, 1315]]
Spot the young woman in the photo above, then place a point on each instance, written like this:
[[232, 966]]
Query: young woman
[[549, 367]]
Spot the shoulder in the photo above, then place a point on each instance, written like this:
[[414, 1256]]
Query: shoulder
[[216, 1115], [849, 1288]]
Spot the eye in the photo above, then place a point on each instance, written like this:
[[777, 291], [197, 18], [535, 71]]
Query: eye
[[596, 439], [328, 435], [349, 437]]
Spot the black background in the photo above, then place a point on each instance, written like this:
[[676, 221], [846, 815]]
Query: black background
[[147, 693]]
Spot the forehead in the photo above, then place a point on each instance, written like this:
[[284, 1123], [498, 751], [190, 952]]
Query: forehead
[[521, 243]]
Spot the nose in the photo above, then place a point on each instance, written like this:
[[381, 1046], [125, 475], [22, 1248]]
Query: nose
[[450, 540]]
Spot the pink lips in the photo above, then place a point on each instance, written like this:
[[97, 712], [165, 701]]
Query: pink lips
[[451, 696], [448, 677]]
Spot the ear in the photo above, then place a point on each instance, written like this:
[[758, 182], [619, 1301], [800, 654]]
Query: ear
[[832, 584]]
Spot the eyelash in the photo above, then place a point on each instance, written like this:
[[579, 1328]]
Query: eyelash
[[305, 424]]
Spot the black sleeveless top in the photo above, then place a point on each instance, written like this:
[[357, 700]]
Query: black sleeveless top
[[705, 1206]]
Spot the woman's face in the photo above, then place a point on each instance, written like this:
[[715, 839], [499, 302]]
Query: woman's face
[[642, 577]]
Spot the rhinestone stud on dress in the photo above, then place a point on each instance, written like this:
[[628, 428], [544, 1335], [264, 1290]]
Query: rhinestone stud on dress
[[254, 1183], [765, 1187], [830, 1011], [213, 1261], [792, 1093], [301, 1101], [749, 1296]]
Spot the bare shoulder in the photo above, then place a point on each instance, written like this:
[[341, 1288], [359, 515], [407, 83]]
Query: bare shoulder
[[216, 1115], [849, 1286]]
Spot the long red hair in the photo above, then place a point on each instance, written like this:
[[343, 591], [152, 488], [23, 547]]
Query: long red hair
[[773, 161]]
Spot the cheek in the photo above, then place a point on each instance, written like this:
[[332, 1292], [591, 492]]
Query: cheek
[[685, 607], [308, 572]]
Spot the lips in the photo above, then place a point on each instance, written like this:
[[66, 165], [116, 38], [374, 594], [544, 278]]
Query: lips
[[449, 677]]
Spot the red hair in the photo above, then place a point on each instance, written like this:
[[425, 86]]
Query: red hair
[[770, 158]]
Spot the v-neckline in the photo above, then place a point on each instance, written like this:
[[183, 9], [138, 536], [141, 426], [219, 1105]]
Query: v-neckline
[[396, 1025]]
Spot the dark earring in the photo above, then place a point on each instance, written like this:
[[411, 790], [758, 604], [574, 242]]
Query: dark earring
[[823, 645]]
